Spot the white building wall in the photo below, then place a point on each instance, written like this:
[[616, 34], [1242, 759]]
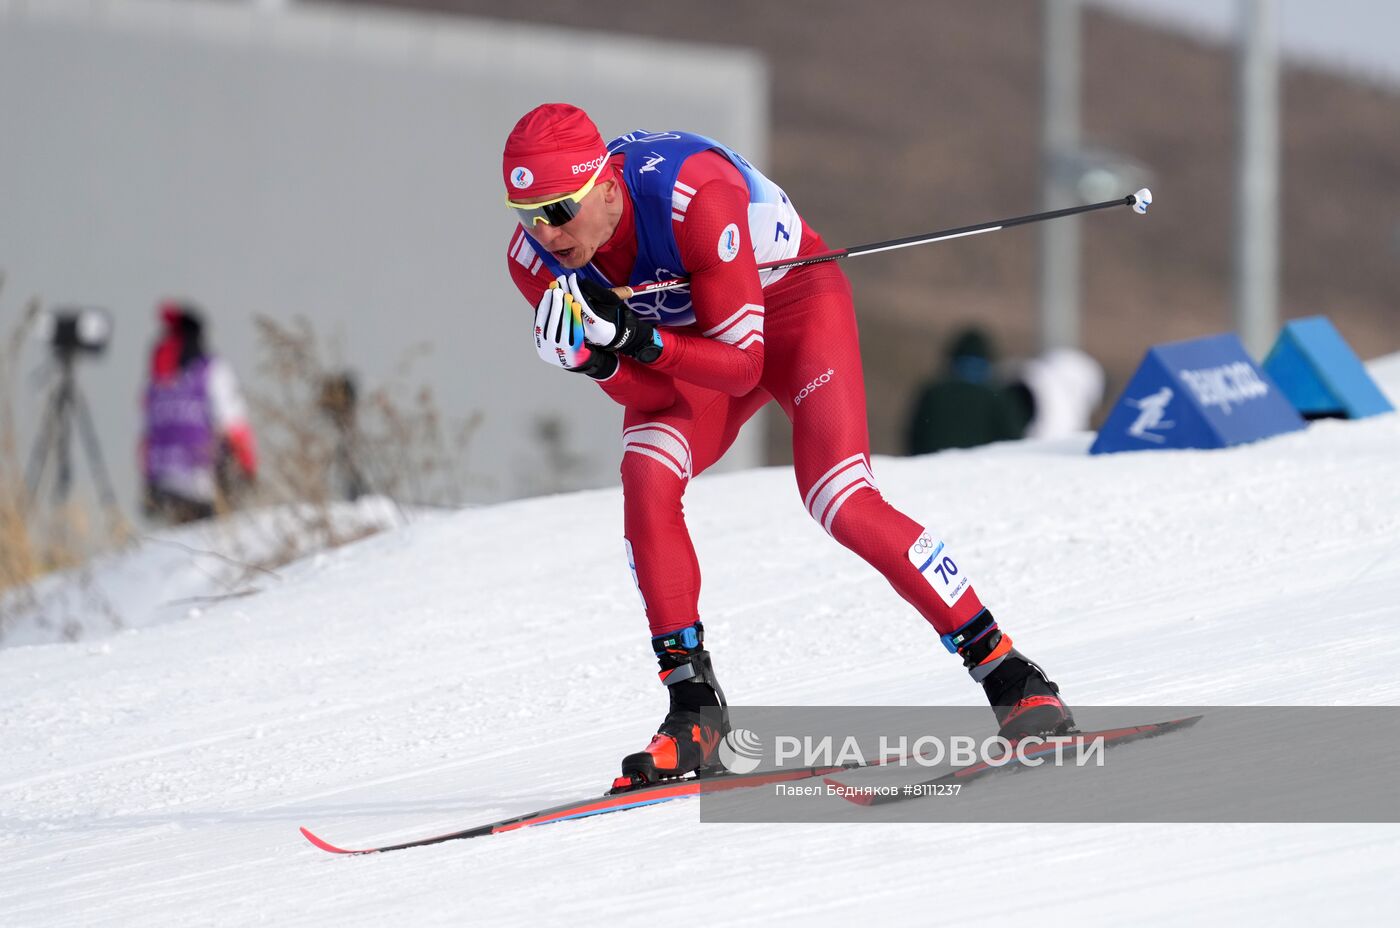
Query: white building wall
[[338, 163]]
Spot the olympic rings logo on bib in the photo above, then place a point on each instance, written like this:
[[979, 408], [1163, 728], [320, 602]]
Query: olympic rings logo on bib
[[931, 558]]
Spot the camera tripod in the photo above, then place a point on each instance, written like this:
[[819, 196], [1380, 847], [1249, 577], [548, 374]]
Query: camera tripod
[[65, 405]]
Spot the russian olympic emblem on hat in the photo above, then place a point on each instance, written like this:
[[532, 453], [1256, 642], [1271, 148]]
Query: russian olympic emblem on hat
[[729, 243], [522, 177]]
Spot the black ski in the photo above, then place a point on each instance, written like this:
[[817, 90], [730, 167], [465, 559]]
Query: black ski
[[633, 798]]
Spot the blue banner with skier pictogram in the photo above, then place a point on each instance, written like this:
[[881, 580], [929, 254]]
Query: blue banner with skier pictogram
[[1202, 393]]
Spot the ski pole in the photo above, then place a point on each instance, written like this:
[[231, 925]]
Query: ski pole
[[1138, 201]]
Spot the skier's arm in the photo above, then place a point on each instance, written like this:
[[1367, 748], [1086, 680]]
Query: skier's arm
[[631, 384], [714, 242]]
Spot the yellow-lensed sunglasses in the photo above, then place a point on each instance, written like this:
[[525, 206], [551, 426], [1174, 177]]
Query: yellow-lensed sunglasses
[[559, 210]]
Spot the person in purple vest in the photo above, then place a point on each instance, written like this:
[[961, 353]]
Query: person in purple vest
[[197, 445]]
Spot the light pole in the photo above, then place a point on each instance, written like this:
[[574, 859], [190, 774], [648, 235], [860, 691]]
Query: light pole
[[1059, 143], [1256, 177]]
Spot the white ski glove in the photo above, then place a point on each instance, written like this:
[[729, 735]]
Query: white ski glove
[[560, 339]]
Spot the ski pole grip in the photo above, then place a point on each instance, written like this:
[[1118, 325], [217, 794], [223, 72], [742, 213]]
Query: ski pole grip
[[623, 293]]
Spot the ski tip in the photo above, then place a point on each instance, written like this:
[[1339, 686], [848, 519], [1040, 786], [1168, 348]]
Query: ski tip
[[859, 797], [325, 845]]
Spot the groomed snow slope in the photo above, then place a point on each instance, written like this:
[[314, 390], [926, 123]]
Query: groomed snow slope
[[495, 661]]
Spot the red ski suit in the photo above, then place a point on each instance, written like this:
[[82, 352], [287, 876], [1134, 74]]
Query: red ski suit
[[794, 342]]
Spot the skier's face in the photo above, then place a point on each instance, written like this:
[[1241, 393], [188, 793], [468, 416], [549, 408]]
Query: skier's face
[[576, 242]]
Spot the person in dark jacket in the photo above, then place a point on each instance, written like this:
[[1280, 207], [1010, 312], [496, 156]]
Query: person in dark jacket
[[966, 405]]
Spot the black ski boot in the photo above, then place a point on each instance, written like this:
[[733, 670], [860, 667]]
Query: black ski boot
[[689, 736], [1023, 698]]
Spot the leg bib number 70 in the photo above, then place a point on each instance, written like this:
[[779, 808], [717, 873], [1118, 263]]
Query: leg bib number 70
[[931, 558]]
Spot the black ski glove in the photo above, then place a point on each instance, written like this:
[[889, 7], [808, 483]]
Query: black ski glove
[[610, 323]]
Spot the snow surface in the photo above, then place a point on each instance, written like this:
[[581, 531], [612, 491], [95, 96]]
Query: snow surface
[[172, 574], [493, 661]]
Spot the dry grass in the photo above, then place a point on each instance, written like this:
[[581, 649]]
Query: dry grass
[[20, 559], [317, 451], [321, 444]]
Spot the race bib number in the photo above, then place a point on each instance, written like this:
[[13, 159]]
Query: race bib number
[[931, 558]]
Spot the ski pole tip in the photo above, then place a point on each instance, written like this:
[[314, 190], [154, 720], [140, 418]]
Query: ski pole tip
[[1141, 200]]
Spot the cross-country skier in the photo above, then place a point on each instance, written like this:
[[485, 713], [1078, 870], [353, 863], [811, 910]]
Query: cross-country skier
[[690, 366]]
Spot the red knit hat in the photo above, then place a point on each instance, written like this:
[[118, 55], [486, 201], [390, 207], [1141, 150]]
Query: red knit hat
[[553, 149]]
